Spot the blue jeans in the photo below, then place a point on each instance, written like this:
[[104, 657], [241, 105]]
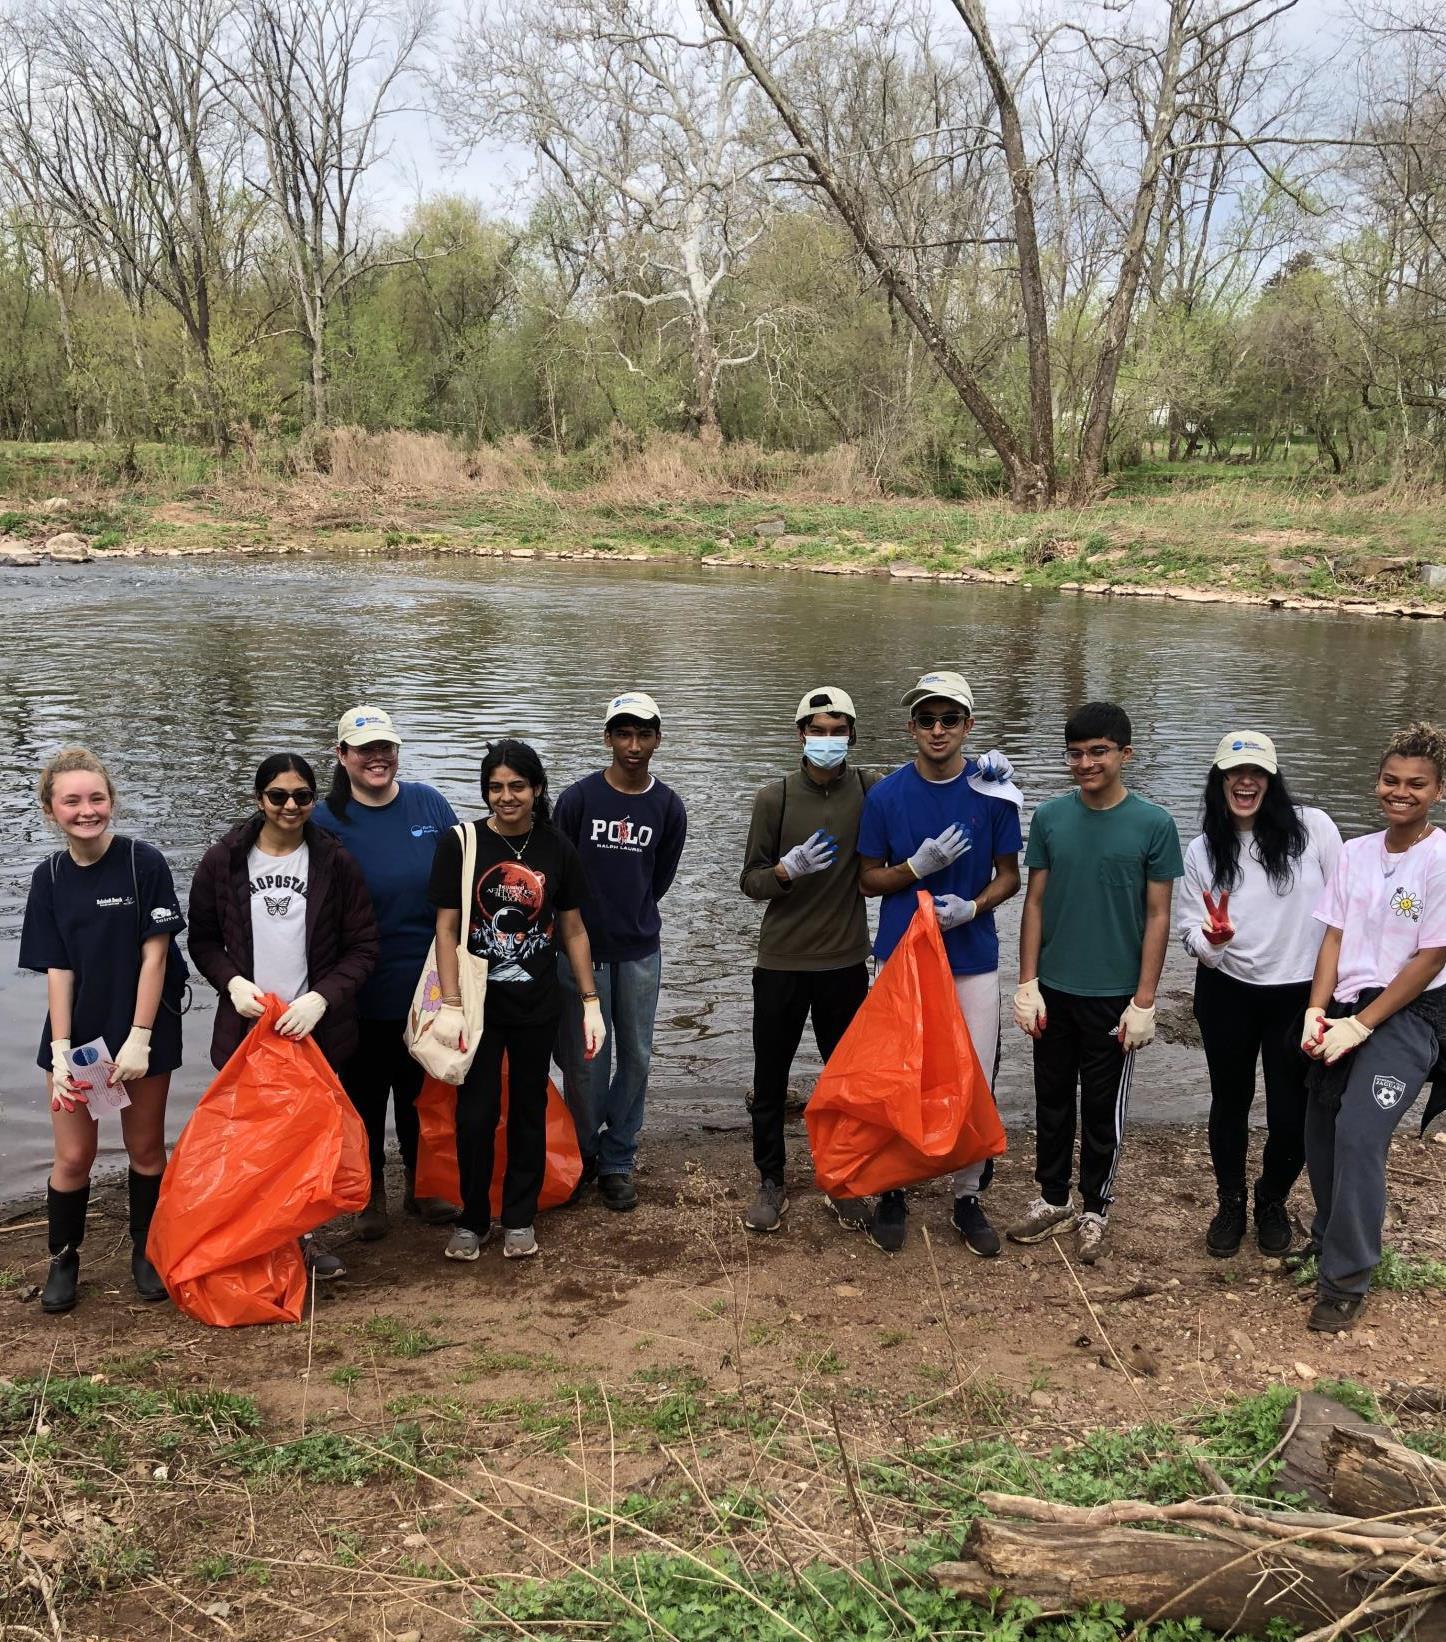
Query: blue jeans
[[608, 1105]]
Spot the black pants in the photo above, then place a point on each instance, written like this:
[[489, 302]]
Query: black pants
[[783, 999], [381, 1067], [1238, 1023], [1078, 1049], [479, 1104]]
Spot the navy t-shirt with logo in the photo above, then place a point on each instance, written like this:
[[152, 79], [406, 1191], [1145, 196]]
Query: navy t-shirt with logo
[[629, 844], [93, 921], [393, 844], [512, 916]]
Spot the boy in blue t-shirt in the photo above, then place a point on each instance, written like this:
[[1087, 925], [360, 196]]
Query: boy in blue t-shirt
[[629, 830], [935, 822]]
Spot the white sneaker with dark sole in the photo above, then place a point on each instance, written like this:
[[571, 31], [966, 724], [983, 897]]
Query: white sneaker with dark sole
[[1042, 1220]]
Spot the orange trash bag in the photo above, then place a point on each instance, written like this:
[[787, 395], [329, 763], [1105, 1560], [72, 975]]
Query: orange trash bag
[[437, 1147], [273, 1149], [903, 1097]]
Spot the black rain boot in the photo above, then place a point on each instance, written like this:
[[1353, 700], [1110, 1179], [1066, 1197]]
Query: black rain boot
[[65, 1212], [1226, 1231], [144, 1190]]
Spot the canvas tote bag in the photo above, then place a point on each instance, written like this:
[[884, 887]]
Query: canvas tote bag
[[450, 1065]]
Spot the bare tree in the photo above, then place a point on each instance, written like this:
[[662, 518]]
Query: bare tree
[[648, 128], [130, 140], [316, 81], [1128, 88]]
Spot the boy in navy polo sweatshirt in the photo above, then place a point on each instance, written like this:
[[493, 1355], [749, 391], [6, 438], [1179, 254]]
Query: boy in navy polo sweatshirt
[[629, 830]]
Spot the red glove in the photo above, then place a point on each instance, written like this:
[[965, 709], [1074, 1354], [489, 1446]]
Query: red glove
[[1218, 930]]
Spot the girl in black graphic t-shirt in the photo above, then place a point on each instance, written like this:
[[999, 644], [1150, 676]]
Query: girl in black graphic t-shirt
[[100, 923], [522, 905]]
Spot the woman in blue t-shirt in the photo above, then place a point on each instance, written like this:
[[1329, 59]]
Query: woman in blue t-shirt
[[391, 828], [100, 924]]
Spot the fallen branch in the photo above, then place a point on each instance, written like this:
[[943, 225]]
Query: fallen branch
[[1156, 1576]]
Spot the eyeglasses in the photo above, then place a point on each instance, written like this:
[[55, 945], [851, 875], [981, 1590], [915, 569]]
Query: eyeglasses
[[280, 797], [950, 721], [1089, 755]]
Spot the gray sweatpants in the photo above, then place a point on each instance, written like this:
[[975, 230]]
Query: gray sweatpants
[[1345, 1151]]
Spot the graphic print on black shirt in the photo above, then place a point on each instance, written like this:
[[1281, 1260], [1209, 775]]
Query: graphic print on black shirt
[[512, 914], [512, 919]]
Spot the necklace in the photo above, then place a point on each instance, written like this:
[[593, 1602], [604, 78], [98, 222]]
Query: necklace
[[517, 853], [1391, 859]]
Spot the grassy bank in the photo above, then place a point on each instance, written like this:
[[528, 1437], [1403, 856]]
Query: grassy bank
[[1266, 533]]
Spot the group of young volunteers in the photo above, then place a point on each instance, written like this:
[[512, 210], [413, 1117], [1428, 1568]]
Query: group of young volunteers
[[1324, 962]]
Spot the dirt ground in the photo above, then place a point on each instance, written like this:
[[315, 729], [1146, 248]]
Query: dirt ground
[[615, 1367]]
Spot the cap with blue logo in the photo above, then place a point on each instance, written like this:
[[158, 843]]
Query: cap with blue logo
[[1247, 747], [360, 725], [632, 704], [947, 686]]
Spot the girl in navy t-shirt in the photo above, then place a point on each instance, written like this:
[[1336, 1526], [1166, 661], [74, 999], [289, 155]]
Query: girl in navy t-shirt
[[101, 923]]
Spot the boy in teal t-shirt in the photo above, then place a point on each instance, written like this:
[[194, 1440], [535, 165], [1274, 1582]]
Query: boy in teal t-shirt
[[1102, 863]]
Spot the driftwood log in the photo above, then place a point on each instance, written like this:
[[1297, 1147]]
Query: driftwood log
[[1165, 1576], [1373, 1476], [1308, 1426], [1372, 1565]]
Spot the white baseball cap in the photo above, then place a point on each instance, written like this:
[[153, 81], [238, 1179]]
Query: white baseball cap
[[632, 704], [1247, 747], [947, 686], [359, 725], [827, 698]]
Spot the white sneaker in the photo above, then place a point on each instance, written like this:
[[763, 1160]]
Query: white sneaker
[[1042, 1220], [518, 1243], [1094, 1238], [463, 1244]]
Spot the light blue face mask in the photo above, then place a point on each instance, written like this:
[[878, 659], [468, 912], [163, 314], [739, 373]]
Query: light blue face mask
[[826, 752]]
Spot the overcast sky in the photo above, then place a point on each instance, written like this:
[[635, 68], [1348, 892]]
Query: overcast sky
[[418, 165]]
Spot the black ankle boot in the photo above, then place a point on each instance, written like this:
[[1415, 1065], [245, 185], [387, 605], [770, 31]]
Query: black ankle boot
[[65, 1213], [144, 1189], [1227, 1229]]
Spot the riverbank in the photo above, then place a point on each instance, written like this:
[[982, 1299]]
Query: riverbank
[[1196, 533], [435, 1435]]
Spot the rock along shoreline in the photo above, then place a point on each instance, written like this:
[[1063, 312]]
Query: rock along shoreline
[[71, 548]]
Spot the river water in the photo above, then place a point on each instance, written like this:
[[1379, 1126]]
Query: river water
[[183, 675]]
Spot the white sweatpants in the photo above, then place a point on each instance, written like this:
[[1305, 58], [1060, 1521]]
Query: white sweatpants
[[978, 997]]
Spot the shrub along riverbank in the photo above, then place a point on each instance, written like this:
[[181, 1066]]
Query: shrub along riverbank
[[1279, 536]]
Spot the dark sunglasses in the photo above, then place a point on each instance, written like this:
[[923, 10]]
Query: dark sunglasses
[[280, 797], [950, 721]]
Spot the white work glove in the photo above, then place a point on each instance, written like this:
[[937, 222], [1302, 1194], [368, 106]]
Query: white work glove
[[934, 854], [1313, 1031], [449, 1026], [247, 999], [301, 1016], [134, 1059], [1029, 1012], [594, 1033], [65, 1092], [1341, 1036], [1137, 1027], [814, 854], [994, 766], [952, 911]]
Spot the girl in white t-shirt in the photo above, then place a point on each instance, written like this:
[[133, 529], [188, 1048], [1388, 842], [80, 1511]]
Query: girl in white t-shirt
[[1252, 881], [1376, 1016]]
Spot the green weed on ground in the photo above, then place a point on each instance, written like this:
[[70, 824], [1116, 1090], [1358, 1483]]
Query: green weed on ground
[[716, 1599]]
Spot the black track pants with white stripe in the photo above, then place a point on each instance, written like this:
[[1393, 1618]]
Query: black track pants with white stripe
[[1078, 1050]]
